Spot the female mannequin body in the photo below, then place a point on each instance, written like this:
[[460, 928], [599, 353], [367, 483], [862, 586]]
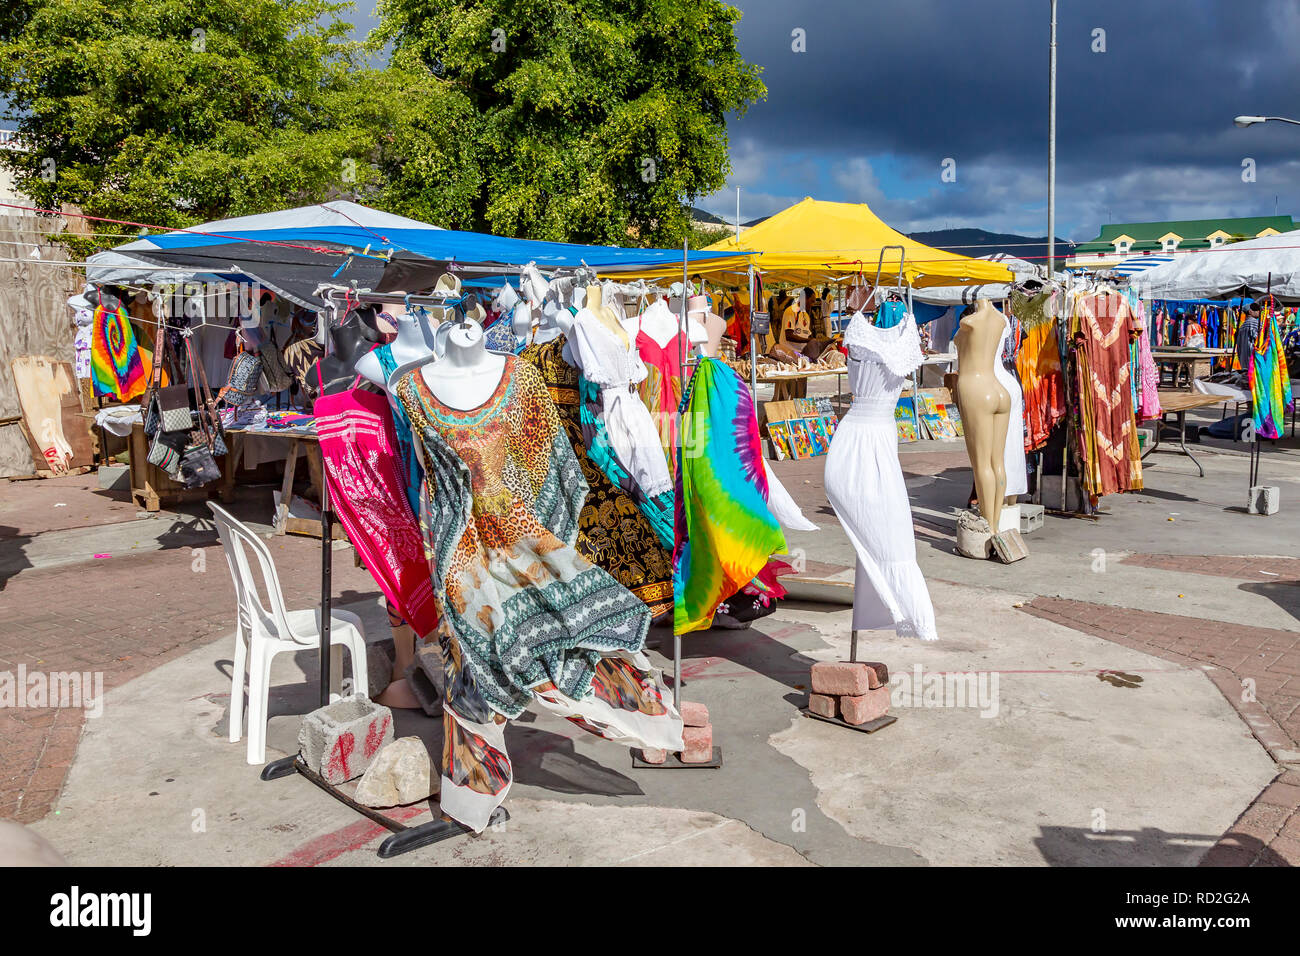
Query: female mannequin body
[[985, 406], [352, 338], [467, 374], [414, 342]]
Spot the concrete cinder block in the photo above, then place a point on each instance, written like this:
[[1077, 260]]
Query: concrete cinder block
[[1265, 500], [338, 741], [823, 705], [840, 678], [869, 706], [697, 744], [694, 714], [379, 667], [424, 675]]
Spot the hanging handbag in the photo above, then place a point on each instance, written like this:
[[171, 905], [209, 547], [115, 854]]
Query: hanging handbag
[[242, 384], [277, 376], [170, 409]]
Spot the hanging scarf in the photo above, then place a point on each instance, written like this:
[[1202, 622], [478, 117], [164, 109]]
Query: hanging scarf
[[116, 369], [725, 530]]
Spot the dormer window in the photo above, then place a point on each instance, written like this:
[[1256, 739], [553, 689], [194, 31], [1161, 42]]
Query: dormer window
[[1122, 248], [1169, 241], [1171, 245]]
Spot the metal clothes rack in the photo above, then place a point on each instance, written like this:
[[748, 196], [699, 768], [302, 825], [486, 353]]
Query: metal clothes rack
[[404, 838]]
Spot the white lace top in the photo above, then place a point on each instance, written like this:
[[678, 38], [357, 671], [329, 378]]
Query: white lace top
[[881, 358]]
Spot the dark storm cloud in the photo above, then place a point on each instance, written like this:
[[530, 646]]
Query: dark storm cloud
[[1144, 129]]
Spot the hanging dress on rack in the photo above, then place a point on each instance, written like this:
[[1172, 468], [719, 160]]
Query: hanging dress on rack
[[367, 492], [409, 464], [1039, 365], [613, 533], [1107, 433], [1014, 450], [621, 437], [865, 486], [614, 367], [661, 389], [725, 530], [525, 619]]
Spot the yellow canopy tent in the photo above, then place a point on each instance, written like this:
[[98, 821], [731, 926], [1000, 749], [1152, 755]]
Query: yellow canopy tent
[[816, 241]]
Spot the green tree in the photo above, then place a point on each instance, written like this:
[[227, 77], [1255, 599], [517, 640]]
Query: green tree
[[179, 111], [600, 120]]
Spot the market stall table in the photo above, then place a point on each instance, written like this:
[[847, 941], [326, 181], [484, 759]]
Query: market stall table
[[1179, 403], [1187, 365], [299, 440]]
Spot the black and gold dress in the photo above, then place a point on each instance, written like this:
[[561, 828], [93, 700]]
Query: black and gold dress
[[613, 533]]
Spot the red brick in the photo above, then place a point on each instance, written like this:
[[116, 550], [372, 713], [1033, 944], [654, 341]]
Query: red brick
[[694, 714], [879, 674], [697, 744], [841, 678], [868, 706], [654, 756], [823, 705]]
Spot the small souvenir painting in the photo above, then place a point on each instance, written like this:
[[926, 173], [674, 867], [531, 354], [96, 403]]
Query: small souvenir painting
[[779, 433], [801, 445], [820, 439]]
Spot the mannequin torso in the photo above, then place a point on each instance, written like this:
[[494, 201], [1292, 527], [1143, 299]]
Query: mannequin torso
[[467, 374], [414, 341], [985, 405]]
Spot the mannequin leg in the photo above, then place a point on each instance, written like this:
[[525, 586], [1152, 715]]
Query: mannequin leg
[[983, 456], [398, 693], [1001, 420]]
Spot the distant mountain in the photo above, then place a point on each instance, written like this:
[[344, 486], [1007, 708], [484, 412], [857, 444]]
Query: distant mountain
[[699, 215], [980, 242]]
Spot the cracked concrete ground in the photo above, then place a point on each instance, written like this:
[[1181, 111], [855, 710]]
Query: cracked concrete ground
[[1058, 767]]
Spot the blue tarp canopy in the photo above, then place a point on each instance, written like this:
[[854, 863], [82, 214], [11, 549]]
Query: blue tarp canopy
[[296, 250]]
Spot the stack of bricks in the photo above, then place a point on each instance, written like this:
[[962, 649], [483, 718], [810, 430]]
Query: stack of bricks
[[697, 737], [855, 692]]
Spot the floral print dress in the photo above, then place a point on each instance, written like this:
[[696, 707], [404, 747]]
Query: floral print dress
[[525, 620]]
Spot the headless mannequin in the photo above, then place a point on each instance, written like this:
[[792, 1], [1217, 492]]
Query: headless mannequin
[[659, 323], [352, 338], [607, 317], [467, 375], [556, 321], [713, 327], [414, 341], [985, 406]]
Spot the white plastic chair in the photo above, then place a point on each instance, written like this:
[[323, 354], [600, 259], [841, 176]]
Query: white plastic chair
[[261, 634]]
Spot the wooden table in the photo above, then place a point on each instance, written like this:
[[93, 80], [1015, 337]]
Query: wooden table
[[299, 440], [1190, 364], [781, 382], [1178, 404]]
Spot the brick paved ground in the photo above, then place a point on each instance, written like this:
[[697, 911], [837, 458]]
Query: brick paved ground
[[1258, 671], [122, 616], [1280, 570]]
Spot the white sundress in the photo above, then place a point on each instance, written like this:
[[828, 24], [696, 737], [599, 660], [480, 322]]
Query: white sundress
[[864, 482]]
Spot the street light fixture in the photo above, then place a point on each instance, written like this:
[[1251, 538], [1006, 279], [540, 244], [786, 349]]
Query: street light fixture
[[1244, 121]]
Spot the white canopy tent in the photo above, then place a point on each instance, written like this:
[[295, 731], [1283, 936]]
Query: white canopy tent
[[1256, 265], [964, 295]]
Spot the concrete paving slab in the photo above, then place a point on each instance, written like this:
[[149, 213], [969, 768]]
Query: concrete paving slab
[[1056, 752]]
